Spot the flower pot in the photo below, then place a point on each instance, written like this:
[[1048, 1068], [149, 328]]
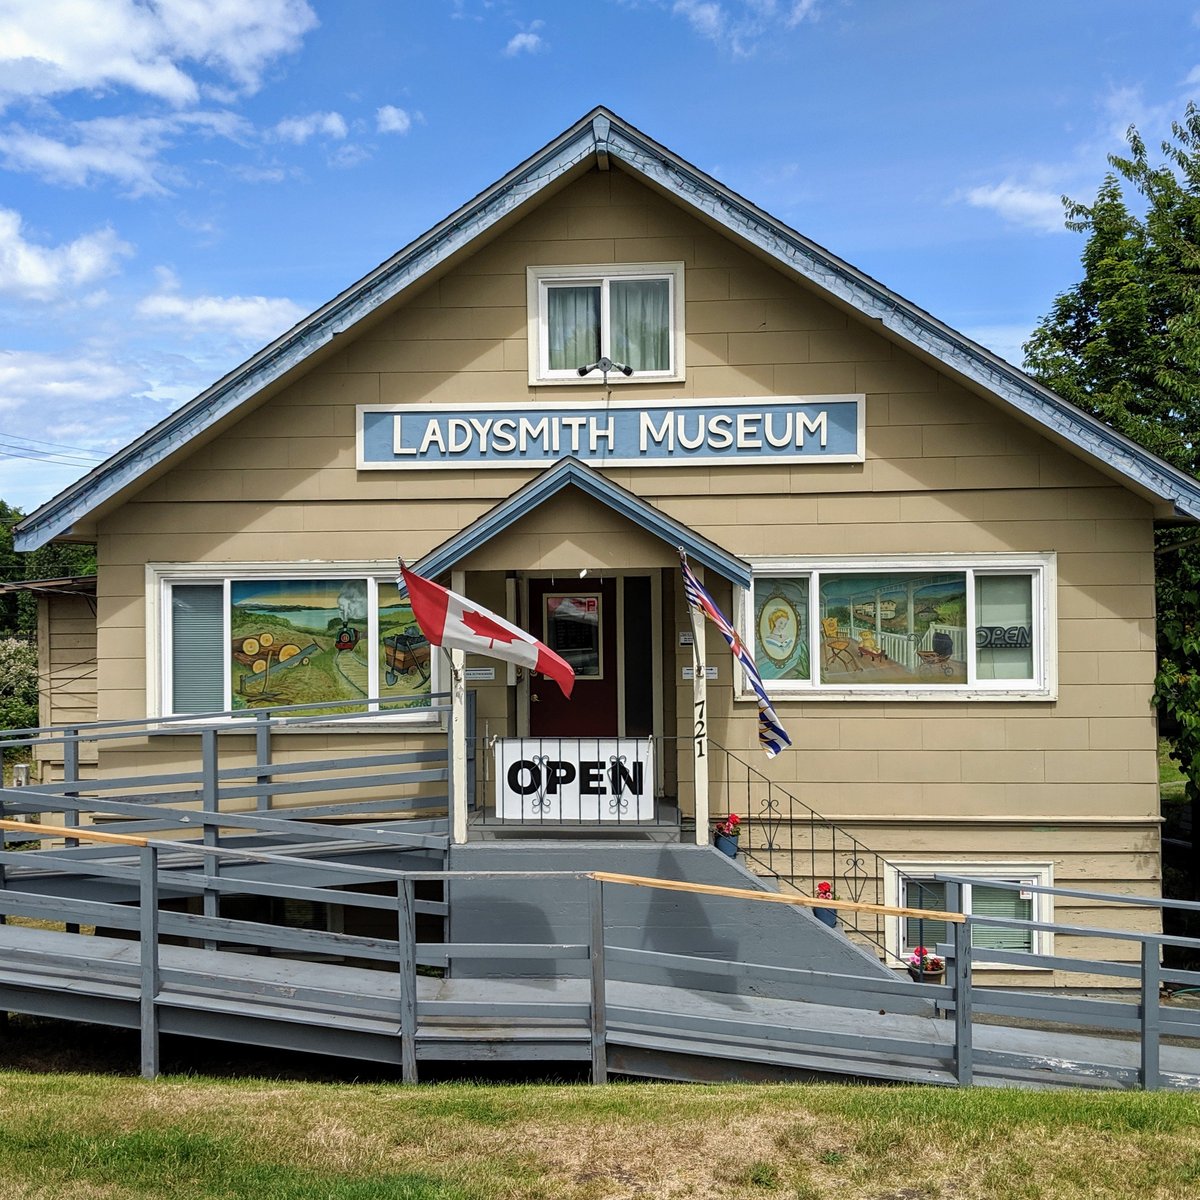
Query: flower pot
[[919, 976], [827, 916], [726, 844]]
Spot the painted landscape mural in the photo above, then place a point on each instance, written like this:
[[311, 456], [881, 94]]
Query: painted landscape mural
[[309, 641], [298, 641]]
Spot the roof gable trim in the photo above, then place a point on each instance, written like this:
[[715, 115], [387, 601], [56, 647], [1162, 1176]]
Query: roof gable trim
[[396, 275], [918, 328], [570, 472]]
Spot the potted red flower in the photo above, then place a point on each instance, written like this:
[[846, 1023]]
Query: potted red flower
[[726, 834], [925, 967], [827, 915]]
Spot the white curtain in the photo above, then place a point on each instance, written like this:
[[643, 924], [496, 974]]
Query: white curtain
[[639, 310], [573, 323]]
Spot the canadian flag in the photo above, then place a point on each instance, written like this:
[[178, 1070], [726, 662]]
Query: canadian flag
[[448, 619]]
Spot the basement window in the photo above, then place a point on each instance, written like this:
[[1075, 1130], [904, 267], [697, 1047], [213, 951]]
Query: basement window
[[913, 885]]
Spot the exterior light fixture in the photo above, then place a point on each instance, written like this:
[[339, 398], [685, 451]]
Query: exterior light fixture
[[604, 364]]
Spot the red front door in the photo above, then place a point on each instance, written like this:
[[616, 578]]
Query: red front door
[[580, 624]]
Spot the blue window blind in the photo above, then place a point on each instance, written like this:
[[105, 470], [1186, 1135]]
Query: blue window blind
[[198, 647]]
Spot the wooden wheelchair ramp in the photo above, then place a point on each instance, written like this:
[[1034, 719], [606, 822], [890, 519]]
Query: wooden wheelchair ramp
[[140, 959]]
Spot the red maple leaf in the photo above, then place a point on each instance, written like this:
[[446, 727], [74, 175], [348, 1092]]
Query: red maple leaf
[[485, 627]]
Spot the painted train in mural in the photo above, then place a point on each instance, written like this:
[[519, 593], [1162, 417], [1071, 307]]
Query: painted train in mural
[[303, 641]]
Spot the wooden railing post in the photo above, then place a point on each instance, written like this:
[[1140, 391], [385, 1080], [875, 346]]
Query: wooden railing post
[[262, 758], [210, 802], [960, 978], [70, 776], [1149, 1075], [149, 961], [406, 936], [599, 1015]]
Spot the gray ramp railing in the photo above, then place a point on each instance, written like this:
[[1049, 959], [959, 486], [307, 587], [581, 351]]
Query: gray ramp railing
[[196, 972], [237, 776]]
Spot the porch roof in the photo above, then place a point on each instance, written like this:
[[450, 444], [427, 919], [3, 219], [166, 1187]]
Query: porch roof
[[570, 472]]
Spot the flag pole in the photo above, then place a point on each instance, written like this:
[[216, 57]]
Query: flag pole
[[458, 731], [699, 717]]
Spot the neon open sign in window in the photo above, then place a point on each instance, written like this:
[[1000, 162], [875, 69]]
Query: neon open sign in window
[[993, 636]]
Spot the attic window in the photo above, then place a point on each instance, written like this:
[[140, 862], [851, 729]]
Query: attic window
[[631, 313]]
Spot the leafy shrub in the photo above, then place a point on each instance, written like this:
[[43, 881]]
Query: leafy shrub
[[18, 683]]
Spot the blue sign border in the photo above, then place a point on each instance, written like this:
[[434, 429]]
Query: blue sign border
[[734, 431]]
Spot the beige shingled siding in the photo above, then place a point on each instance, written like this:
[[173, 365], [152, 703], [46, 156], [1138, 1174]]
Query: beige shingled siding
[[946, 471], [67, 674]]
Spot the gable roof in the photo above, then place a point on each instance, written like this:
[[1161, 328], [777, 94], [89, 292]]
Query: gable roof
[[570, 472], [601, 137]]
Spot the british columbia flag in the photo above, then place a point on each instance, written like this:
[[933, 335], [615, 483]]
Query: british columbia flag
[[771, 735]]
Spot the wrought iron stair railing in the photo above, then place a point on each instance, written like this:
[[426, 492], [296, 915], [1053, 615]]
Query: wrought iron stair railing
[[786, 840]]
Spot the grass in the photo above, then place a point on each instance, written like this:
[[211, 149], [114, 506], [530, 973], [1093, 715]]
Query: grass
[[76, 1136], [1171, 779]]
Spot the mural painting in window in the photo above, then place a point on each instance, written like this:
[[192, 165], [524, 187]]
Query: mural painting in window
[[298, 641], [894, 628], [781, 626], [404, 654]]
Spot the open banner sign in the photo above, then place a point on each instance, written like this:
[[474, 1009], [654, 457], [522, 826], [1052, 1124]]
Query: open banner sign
[[575, 779]]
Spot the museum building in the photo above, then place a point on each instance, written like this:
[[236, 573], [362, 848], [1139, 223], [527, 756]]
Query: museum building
[[943, 571]]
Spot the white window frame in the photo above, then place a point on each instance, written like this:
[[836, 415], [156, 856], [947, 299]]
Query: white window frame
[[162, 577], [540, 278], [1036, 874], [1041, 566]]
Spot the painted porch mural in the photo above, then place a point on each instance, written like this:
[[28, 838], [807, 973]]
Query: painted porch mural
[[893, 629]]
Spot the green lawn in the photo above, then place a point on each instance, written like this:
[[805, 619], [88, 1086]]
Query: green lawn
[[1170, 777], [72, 1136]]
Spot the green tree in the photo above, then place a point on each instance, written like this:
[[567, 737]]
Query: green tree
[[10, 567], [18, 611], [1124, 344]]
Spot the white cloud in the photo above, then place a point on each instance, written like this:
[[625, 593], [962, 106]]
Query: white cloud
[[706, 18], [250, 174], [33, 272], [390, 119], [50, 47], [298, 130], [124, 149], [349, 155], [31, 379], [740, 25], [523, 43], [529, 41], [801, 10], [254, 319], [1020, 204]]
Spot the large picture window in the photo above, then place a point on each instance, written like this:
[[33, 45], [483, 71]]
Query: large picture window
[[251, 641], [977, 626], [630, 313]]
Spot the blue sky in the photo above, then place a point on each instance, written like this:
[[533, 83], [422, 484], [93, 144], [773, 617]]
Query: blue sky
[[181, 180]]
